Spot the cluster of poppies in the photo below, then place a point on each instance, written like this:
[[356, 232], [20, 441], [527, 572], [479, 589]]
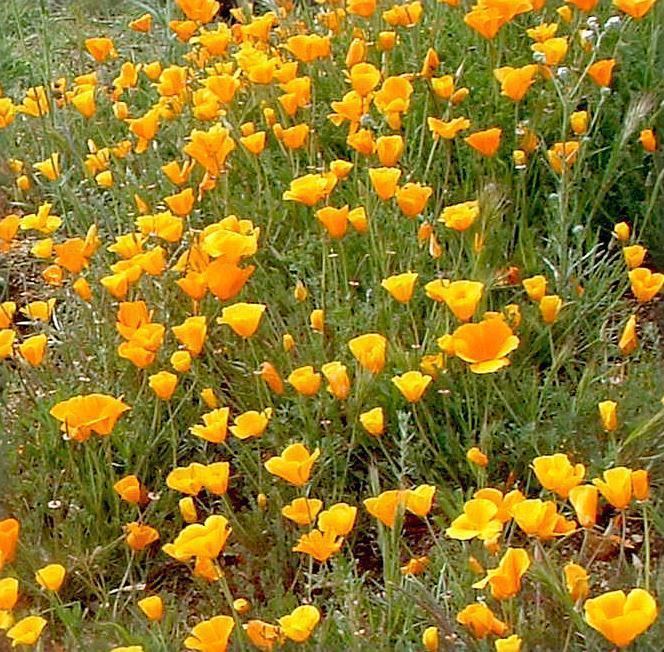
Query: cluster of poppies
[[265, 68]]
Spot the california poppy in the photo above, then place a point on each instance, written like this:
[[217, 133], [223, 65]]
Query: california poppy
[[485, 345], [621, 618]]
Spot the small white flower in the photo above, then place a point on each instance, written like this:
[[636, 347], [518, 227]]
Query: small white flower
[[613, 23], [587, 35]]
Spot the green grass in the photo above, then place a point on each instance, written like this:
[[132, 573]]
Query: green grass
[[544, 402]]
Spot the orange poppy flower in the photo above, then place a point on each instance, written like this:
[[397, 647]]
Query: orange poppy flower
[[601, 71], [505, 580], [515, 82], [485, 345], [140, 536], [83, 415], [369, 350], [645, 284], [621, 618], [485, 142], [320, 545], [481, 621], [294, 464]]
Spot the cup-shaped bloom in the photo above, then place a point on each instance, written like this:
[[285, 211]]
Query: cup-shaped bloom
[[484, 345], [621, 618], [300, 623], [129, 489], [215, 428], [335, 220], [601, 72], [412, 198], [82, 415], [384, 181], [637, 9], [415, 566], [311, 188], [622, 231], [26, 631], [576, 581], [485, 142], [628, 338], [305, 380], [215, 477], [191, 334], [556, 473], [389, 149], [364, 77], [268, 372], [550, 305], [504, 503], [401, 286], [460, 216], [446, 129], [579, 122], [203, 540], [187, 509], [475, 456], [8, 593], [412, 385], [51, 577], [505, 580], [461, 297], [509, 644], [616, 486], [645, 284], [648, 140], [152, 607], [535, 287], [181, 361], [211, 635], [187, 479], [373, 421], [317, 320], [481, 621], [540, 519], [608, 415], [140, 536], [9, 531], [369, 350], [561, 156], [226, 280], [431, 639], [419, 500], [584, 500], [264, 635], [385, 506], [7, 311], [339, 519], [485, 21], [251, 423], [294, 464], [336, 375], [320, 545], [479, 519], [515, 82], [640, 484], [634, 255], [163, 384], [243, 318], [33, 349], [302, 511]]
